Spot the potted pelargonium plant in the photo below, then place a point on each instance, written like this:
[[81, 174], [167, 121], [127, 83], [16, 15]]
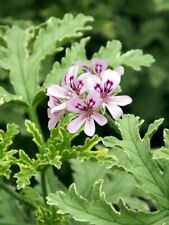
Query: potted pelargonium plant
[[117, 179]]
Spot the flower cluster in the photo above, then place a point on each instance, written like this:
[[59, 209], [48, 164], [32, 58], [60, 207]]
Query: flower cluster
[[85, 95]]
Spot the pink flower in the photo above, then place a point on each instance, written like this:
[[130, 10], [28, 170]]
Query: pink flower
[[87, 114], [105, 87], [55, 116], [71, 86], [97, 66]]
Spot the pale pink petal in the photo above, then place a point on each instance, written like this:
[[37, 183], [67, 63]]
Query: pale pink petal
[[94, 83], [75, 105], [114, 110], [71, 75], [54, 118], [99, 65], [59, 107], [53, 101], [89, 128], [56, 91], [93, 100], [100, 119], [84, 66], [81, 82], [111, 80], [121, 100], [119, 70], [75, 124]]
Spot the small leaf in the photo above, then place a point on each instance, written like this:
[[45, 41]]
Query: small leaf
[[37, 137]]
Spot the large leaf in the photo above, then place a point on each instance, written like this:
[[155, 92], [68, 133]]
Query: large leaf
[[25, 51], [98, 211], [117, 183], [147, 173], [134, 58]]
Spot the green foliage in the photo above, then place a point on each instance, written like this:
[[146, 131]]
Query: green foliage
[[76, 52], [7, 156], [99, 211], [163, 152], [86, 173], [24, 64], [144, 168], [149, 177], [133, 58]]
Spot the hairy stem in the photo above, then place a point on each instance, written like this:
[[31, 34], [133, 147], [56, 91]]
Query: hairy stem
[[112, 124], [15, 195]]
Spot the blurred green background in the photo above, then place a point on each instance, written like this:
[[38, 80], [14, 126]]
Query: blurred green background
[[137, 24]]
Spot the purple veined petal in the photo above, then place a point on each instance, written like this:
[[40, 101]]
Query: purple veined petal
[[89, 127], [110, 80], [75, 124], [93, 100], [75, 105], [121, 100], [115, 111], [81, 82], [100, 119], [85, 67], [94, 83], [56, 91], [59, 107], [99, 65], [53, 118], [53, 101], [119, 70], [71, 76]]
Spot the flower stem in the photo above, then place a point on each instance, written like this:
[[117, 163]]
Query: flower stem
[[111, 122], [15, 195]]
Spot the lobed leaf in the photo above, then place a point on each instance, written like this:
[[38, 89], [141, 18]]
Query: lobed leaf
[[37, 137], [147, 173], [133, 58], [98, 211], [6, 157]]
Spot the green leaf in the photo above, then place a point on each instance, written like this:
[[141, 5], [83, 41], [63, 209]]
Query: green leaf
[[25, 51], [117, 183], [163, 152], [147, 173], [133, 58], [153, 127], [28, 168], [37, 137], [98, 211], [7, 97], [6, 157], [76, 52]]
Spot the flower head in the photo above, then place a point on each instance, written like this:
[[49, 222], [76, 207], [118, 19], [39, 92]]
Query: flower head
[[84, 94]]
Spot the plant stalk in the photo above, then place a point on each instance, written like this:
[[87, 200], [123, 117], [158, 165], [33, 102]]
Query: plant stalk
[[15, 195]]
